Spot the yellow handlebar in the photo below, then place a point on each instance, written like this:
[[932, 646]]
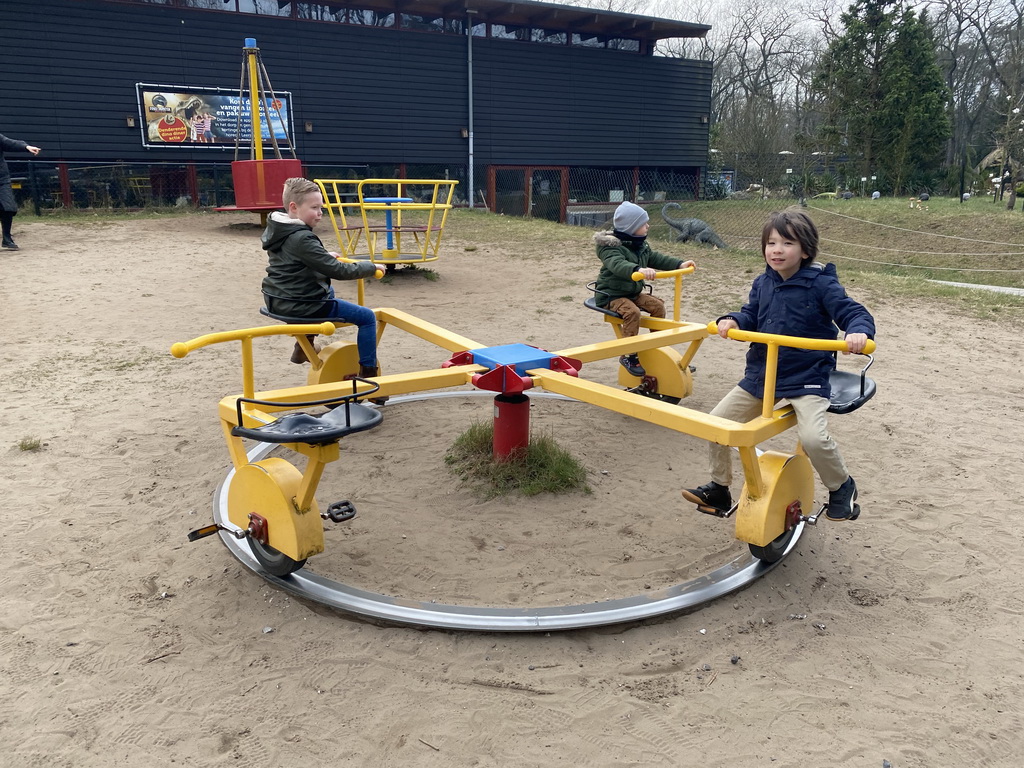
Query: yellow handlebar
[[821, 345], [182, 348], [379, 273], [638, 276]]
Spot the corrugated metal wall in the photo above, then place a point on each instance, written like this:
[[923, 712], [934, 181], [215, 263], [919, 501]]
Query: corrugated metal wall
[[373, 95]]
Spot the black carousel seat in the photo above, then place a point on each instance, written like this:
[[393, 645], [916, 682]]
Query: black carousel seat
[[345, 418], [850, 390], [269, 298], [591, 303]]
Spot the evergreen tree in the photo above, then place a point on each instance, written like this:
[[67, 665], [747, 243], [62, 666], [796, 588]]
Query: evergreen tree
[[913, 121], [884, 92]]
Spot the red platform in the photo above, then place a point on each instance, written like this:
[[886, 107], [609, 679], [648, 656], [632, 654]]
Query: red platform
[[258, 183]]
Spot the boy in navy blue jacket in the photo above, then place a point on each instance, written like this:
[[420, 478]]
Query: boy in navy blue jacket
[[795, 296]]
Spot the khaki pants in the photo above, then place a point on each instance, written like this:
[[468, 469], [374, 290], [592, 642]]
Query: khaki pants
[[811, 429], [630, 311]]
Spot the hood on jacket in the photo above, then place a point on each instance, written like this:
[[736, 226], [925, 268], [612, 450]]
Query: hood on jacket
[[605, 238], [279, 226]]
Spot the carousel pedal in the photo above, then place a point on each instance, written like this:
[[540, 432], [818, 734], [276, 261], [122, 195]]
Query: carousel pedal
[[648, 387], [209, 530], [813, 519], [716, 512], [202, 533], [339, 512]]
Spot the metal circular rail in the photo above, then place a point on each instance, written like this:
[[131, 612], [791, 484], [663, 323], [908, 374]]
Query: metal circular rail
[[734, 575]]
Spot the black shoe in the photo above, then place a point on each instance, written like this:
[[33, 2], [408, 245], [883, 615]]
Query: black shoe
[[840, 502], [632, 364], [370, 372], [10, 245], [711, 498]]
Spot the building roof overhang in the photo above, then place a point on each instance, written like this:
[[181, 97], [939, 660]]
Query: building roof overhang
[[560, 18]]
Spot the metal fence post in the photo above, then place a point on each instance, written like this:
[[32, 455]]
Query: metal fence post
[[34, 186]]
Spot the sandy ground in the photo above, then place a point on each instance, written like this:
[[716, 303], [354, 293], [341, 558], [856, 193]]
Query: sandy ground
[[895, 638]]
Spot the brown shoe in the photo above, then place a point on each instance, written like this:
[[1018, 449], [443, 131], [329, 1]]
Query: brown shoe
[[299, 354], [369, 372]]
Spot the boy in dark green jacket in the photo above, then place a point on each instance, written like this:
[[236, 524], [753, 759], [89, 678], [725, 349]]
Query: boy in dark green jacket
[[300, 269], [623, 251]]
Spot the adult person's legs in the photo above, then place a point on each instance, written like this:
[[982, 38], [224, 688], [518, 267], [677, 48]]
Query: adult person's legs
[[6, 219]]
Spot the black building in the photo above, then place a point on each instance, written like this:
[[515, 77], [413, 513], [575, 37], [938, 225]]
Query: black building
[[529, 95]]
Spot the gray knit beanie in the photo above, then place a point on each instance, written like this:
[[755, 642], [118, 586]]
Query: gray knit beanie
[[629, 218]]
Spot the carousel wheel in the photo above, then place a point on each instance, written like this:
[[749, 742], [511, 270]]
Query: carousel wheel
[[773, 551], [274, 562]]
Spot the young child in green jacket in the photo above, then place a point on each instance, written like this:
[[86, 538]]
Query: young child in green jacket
[[623, 251]]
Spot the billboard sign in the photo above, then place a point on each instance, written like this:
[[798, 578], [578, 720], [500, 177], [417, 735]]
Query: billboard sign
[[177, 116]]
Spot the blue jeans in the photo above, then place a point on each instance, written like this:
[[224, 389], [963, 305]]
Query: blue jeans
[[365, 321]]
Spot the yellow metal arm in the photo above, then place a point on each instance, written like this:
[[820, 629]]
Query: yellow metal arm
[[669, 333], [434, 334], [182, 348], [773, 342], [246, 335]]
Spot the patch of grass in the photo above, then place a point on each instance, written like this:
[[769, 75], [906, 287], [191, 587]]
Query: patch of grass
[[543, 467], [976, 302], [884, 250], [30, 444]]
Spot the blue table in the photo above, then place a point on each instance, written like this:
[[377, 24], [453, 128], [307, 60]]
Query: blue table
[[387, 214]]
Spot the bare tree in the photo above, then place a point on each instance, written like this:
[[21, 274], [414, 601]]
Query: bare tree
[[825, 14], [1001, 32]]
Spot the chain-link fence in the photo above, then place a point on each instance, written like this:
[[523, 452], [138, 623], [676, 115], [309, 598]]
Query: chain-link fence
[[683, 204], [725, 206], [577, 196], [574, 195], [46, 187]]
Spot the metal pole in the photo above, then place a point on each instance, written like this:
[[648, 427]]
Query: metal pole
[[254, 97], [469, 65], [963, 171], [34, 185]]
